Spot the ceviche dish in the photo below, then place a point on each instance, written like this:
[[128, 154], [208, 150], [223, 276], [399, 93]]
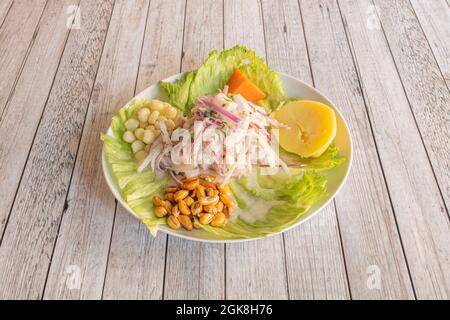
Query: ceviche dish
[[223, 150]]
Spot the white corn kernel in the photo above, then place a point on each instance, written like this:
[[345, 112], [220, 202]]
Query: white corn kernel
[[137, 145], [143, 125], [140, 156], [170, 124], [157, 105], [148, 136], [128, 136], [148, 104], [170, 112], [131, 124], [153, 117], [139, 133], [143, 114]]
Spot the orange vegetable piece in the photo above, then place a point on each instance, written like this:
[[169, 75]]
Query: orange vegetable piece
[[236, 79], [240, 83]]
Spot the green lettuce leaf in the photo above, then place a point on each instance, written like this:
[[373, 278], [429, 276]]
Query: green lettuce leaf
[[136, 188], [328, 160], [178, 91], [217, 69], [267, 80], [290, 201], [214, 74]]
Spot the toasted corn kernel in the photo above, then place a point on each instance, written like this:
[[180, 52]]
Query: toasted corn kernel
[[175, 210], [180, 195], [185, 222], [188, 201], [210, 191], [208, 184], [226, 200], [157, 201], [208, 178], [169, 197], [167, 205], [171, 189], [206, 218], [220, 206], [160, 212], [209, 200], [173, 222], [196, 224], [210, 208], [184, 208], [196, 208], [224, 188], [201, 193], [218, 220], [228, 211], [190, 184]]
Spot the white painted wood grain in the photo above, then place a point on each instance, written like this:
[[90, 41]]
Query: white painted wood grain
[[137, 261], [368, 229], [28, 242], [254, 270], [310, 264], [434, 17], [417, 203], [16, 36], [4, 9], [197, 270], [314, 258], [27, 102], [86, 226], [427, 91]]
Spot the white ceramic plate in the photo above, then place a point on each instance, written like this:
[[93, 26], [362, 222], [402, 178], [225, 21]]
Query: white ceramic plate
[[294, 88]]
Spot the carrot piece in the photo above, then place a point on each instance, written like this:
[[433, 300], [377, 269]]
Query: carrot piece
[[240, 83], [236, 79]]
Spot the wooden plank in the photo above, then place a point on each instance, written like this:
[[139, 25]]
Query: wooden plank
[[314, 259], [370, 239], [418, 206], [136, 262], [422, 80], [5, 6], [15, 41], [256, 269], [197, 270], [434, 17], [28, 242], [27, 102], [86, 226]]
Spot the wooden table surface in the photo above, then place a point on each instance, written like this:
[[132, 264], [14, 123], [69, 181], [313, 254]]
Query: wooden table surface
[[67, 66]]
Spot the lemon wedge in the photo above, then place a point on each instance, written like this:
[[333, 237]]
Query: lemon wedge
[[312, 127]]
